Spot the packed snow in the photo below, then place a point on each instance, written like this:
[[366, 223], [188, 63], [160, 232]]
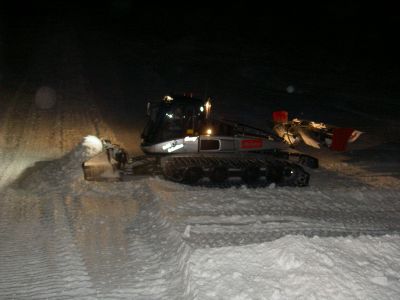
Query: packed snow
[[64, 238], [297, 267]]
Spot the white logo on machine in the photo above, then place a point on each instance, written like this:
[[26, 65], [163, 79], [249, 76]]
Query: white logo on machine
[[172, 146]]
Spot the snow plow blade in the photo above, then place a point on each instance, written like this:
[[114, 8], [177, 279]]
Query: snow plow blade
[[101, 167]]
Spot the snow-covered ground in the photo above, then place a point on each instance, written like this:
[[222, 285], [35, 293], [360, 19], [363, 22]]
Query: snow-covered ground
[[64, 238], [297, 267]]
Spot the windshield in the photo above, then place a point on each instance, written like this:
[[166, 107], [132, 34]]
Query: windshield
[[173, 120]]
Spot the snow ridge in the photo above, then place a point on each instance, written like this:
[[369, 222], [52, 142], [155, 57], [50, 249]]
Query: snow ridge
[[38, 255], [158, 258], [239, 216], [58, 174], [297, 267]]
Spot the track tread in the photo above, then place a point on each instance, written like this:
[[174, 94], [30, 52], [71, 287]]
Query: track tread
[[173, 168]]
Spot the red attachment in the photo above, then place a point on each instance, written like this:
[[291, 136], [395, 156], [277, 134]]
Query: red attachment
[[280, 116], [251, 144], [340, 138]]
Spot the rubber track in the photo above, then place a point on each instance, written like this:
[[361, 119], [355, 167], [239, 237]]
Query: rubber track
[[174, 166]]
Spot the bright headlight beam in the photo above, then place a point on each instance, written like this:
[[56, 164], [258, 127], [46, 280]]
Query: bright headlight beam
[[208, 108]]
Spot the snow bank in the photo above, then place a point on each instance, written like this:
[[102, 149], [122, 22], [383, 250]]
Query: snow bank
[[296, 267], [66, 170], [71, 164]]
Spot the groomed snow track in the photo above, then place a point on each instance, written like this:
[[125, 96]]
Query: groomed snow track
[[55, 247], [87, 241], [158, 264], [267, 214], [233, 234]]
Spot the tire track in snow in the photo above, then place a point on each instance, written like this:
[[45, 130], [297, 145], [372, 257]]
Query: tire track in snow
[[36, 141], [79, 114], [12, 129], [156, 267], [38, 255], [94, 242], [220, 234], [79, 117], [31, 135], [38, 252], [243, 216]]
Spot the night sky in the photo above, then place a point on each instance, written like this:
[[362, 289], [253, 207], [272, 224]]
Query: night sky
[[354, 41]]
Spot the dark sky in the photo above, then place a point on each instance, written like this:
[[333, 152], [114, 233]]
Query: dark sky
[[240, 18], [354, 32]]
